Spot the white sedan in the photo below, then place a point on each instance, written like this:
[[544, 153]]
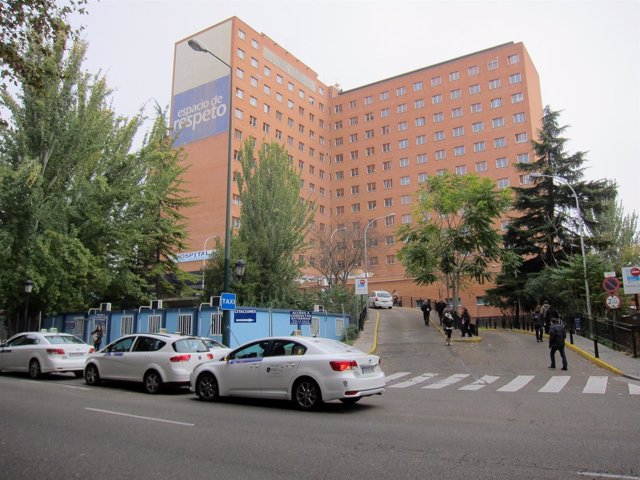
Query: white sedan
[[305, 370], [155, 359], [43, 352]]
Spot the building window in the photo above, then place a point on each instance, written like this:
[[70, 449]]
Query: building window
[[435, 99], [368, 100], [386, 165], [371, 205], [384, 96], [241, 34], [513, 59], [401, 108], [400, 91], [371, 187], [497, 122], [386, 147], [240, 53], [502, 162], [493, 64], [403, 126], [384, 113], [461, 170], [521, 137], [355, 190], [515, 78], [355, 207], [389, 221], [522, 158], [458, 131], [453, 76], [455, 94], [493, 84], [500, 142], [477, 127], [423, 177], [456, 112], [404, 162], [355, 172], [473, 70], [525, 179], [388, 202], [458, 150], [479, 146], [438, 136], [473, 89], [496, 102], [518, 117], [441, 154], [339, 175], [481, 166], [404, 143], [418, 86], [406, 218], [339, 192], [421, 139], [420, 122], [387, 184], [435, 81], [476, 107], [503, 183], [517, 97], [421, 158], [418, 104], [405, 199], [438, 117]]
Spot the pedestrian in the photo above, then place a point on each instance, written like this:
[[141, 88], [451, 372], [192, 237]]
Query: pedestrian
[[536, 318], [440, 309], [556, 343], [465, 318], [96, 336], [426, 311], [447, 320], [394, 295], [545, 316], [473, 326]]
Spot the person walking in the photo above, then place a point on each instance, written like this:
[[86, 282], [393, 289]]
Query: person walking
[[473, 326], [544, 315], [440, 305], [426, 311], [556, 343], [536, 318], [465, 318], [447, 320], [96, 336]]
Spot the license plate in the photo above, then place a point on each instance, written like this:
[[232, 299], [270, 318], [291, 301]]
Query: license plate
[[368, 368], [76, 354]]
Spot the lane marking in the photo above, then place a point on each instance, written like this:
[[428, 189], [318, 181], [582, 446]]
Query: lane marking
[[414, 381], [608, 475], [393, 376], [555, 384], [448, 381], [634, 389], [596, 385], [162, 420], [480, 383], [517, 383]]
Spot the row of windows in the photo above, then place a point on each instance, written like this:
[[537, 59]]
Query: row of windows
[[436, 81]]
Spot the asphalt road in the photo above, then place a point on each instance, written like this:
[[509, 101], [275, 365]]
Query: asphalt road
[[461, 425]]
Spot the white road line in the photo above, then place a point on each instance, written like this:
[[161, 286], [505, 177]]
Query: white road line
[[138, 416], [393, 376], [480, 383], [596, 385], [445, 382], [634, 389], [607, 475], [76, 388], [517, 383], [555, 384], [415, 380]]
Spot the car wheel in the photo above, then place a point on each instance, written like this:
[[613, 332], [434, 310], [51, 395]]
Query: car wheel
[[152, 382], [91, 375], [207, 387], [78, 373], [350, 400], [307, 394], [34, 369]]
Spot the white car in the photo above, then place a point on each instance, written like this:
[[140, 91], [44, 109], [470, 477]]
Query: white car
[[380, 299], [304, 370], [155, 359], [43, 352], [216, 348]]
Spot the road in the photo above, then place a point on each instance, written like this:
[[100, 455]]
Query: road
[[464, 424]]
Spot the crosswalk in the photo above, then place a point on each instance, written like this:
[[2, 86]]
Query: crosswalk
[[595, 384]]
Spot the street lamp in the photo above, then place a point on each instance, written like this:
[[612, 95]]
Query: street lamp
[[366, 259], [28, 287], [195, 45], [584, 257], [204, 260]]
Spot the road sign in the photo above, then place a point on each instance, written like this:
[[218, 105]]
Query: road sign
[[300, 317], [611, 284], [228, 301], [613, 301], [635, 271], [631, 280], [362, 287]]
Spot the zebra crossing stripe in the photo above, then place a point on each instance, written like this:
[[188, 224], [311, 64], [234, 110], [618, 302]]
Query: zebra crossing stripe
[[596, 385], [415, 380], [480, 383], [517, 383], [445, 382], [634, 389], [396, 375], [555, 384]]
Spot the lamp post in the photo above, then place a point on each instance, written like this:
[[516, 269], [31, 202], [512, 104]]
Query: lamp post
[[366, 259], [28, 287], [584, 257], [204, 261], [195, 45]]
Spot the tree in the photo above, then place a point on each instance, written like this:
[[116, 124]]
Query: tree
[[544, 229], [274, 223], [33, 24], [454, 234]]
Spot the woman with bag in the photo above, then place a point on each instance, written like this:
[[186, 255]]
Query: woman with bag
[[97, 337]]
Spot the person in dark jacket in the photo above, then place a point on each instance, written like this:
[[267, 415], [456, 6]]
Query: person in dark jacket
[[536, 318], [97, 337], [556, 343], [465, 319], [447, 320], [426, 311]]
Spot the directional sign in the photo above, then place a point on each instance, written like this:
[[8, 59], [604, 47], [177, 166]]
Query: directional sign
[[613, 301], [300, 317], [228, 301], [610, 284]]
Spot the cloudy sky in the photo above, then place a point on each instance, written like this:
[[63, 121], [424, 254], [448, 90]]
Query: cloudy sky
[[587, 54]]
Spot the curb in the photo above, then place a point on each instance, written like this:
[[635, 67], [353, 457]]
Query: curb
[[375, 335]]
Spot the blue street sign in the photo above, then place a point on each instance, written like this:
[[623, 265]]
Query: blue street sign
[[228, 301], [300, 317]]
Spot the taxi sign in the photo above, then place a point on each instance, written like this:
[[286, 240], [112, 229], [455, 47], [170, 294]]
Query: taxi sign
[[228, 301]]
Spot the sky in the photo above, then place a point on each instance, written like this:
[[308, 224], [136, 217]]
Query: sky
[[587, 54]]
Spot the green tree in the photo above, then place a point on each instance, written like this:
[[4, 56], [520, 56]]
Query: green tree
[[454, 235], [544, 230], [274, 223]]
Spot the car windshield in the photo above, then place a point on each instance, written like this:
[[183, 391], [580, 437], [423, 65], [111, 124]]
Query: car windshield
[[384, 294], [212, 343], [189, 345], [61, 339]]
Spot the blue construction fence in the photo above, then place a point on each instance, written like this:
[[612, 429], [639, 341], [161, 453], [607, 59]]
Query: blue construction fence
[[245, 324]]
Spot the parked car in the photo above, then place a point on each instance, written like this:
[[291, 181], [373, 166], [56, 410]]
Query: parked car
[[218, 349], [304, 370], [154, 359], [380, 299], [47, 351]]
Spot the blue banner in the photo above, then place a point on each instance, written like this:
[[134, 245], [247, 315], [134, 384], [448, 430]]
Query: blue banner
[[201, 112], [244, 315]]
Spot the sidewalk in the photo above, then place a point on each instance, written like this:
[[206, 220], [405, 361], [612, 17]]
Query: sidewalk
[[616, 362]]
